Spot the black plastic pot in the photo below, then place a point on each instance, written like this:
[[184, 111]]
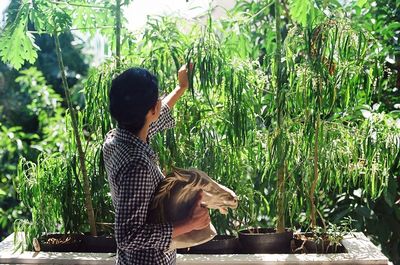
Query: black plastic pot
[[99, 244], [264, 240], [220, 244], [58, 243]]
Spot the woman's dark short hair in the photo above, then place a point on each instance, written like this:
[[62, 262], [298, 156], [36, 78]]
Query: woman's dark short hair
[[133, 93]]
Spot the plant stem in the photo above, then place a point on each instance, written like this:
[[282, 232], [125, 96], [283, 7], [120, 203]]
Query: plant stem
[[281, 199], [118, 32], [316, 174], [398, 70], [314, 183], [279, 101], [86, 185]]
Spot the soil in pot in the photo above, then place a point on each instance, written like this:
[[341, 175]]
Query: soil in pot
[[220, 244], [102, 243], [312, 243], [264, 240], [58, 243]]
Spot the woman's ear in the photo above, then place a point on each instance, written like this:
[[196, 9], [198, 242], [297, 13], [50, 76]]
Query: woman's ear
[[158, 107], [154, 112]]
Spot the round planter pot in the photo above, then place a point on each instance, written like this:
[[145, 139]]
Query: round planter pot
[[58, 243], [220, 244], [99, 244], [264, 240]]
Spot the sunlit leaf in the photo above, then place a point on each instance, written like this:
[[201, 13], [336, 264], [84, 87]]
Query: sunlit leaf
[[366, 113], [300, 9], [2, 192], [361, 3], [16, 44]]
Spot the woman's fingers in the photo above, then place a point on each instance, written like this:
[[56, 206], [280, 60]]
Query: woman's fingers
[[184, 67], [199, 198], [203, 220]]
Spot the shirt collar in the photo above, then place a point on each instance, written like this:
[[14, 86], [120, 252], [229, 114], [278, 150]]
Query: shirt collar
[[126, 136]]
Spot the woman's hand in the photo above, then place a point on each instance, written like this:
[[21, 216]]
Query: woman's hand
[[183, 84], [183, 76], [199, 218]]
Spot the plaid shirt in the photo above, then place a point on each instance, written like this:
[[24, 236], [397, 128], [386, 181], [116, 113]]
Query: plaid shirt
[[133, 175]]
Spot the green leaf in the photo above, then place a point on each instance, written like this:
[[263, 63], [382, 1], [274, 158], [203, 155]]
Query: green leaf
[[299, 10], [361, 3], [17, 45], [394, 26], [390, 193]]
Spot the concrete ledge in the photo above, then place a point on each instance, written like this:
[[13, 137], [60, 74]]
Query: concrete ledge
[[360, 251]]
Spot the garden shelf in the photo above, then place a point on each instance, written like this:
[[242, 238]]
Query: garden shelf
[[360, 250]]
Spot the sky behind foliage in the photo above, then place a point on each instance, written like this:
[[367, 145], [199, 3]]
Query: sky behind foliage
[[138, 10]]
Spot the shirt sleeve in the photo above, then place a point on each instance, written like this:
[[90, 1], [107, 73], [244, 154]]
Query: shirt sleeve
[[165, 121], [134, 196]]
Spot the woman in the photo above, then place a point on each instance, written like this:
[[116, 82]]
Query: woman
[[133, 171]]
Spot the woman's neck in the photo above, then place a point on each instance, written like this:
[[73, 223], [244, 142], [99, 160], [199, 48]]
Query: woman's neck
[[143, 133]]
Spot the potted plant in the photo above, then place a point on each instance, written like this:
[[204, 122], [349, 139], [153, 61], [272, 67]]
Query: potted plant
[[323, 241], [317, 62], [73, 164], [271, 240], [333, 53], [43, 184]]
